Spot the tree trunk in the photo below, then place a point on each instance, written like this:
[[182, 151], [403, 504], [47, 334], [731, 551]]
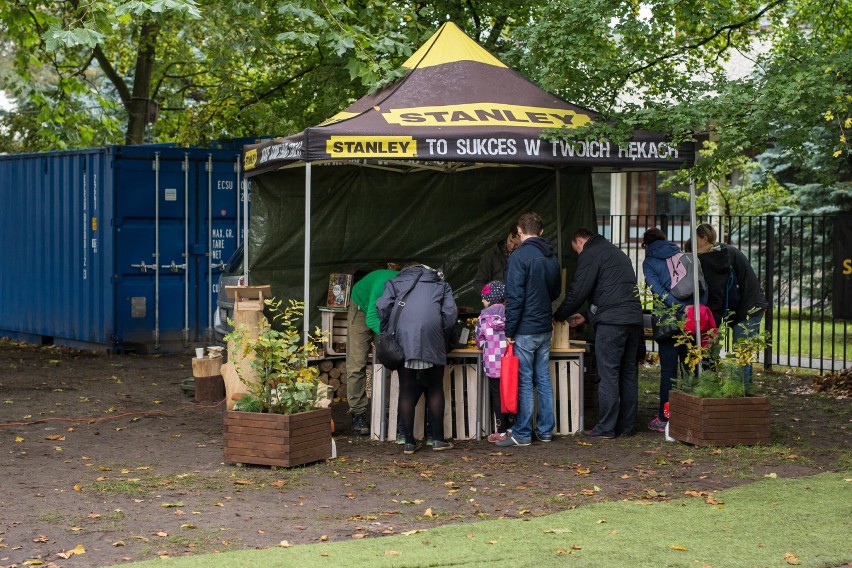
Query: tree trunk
[[137, 107]]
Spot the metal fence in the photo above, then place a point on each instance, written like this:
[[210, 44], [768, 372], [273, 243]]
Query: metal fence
[[792, 256]]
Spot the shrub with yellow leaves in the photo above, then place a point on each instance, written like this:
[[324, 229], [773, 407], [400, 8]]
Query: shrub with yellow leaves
[[286, 383]]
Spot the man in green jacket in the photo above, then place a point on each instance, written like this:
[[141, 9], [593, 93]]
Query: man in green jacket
[[363, 330]]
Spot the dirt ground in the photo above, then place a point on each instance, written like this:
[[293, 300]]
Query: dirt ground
[[106, 461]]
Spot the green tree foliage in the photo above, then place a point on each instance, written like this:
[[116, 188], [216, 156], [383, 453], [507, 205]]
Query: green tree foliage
[[661, 65], [189, 71]]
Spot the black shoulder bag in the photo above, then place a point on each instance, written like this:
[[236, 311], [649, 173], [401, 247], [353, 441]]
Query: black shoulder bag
[[388, 350]]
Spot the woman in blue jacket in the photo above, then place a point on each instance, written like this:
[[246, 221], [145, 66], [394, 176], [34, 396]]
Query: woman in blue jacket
[[655, 266]]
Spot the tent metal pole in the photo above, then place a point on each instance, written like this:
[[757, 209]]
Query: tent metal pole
[[245, 232], [307, 282], [558, 219], [694, 240]]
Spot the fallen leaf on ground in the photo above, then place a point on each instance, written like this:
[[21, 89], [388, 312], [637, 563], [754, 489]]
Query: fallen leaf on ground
[[791, 558], [428, 513], [391, 553], [69, 553], [56, 438], [118, 543], [359, 535], [284, 544], [677, 547]]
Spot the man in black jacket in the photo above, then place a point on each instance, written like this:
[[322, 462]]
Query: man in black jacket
[[533, 282], [605, 277], [493, 263]]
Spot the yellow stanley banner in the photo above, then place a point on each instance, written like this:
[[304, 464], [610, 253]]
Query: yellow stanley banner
[[486, 114], [371, 147], [250, 159]]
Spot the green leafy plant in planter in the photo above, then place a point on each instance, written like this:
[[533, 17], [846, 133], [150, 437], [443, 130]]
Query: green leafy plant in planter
[[285, 383], [707, 371]]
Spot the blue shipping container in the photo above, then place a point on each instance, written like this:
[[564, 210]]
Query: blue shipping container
[[116, 248]]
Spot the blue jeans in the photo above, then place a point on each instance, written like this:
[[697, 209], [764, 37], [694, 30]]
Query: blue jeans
[[748, 328], [618, 389], [533, 353]]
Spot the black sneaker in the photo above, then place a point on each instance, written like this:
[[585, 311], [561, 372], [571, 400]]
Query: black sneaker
[[440, 445], [359, 424], [544, 438], [597, 433], [409, 449]]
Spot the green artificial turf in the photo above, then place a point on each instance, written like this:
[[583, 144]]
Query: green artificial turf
[[809, 519]]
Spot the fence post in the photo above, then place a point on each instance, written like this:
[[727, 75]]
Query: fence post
[[769, 287], [664, 225]]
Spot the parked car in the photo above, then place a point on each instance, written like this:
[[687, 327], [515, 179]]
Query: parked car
[[232, 275]]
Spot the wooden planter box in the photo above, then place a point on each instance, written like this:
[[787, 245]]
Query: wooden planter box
[[719, 421], [277, 439]]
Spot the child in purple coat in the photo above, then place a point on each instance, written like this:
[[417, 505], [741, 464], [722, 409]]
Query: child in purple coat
[[491, 338]]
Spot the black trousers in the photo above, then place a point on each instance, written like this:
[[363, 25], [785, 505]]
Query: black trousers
[[503, 420], [618, 390], [412, 384]]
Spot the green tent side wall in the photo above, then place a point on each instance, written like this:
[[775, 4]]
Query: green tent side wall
[[363, 217]]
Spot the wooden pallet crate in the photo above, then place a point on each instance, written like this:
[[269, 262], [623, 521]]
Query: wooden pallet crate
[[335, 323], [459, 405]]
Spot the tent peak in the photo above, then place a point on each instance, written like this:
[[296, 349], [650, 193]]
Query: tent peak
[[447, 45]]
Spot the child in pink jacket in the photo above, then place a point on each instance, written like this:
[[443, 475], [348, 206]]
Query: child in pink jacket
[[491, 338]]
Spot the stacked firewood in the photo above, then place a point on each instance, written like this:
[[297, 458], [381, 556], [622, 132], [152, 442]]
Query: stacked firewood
[[333, 373]]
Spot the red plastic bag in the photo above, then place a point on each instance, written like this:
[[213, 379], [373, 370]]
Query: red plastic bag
[[509, 381]]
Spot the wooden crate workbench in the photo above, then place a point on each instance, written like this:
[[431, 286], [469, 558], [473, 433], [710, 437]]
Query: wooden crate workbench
[[467, 410]]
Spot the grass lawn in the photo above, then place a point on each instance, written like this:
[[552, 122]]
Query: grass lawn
[[774, 522]]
